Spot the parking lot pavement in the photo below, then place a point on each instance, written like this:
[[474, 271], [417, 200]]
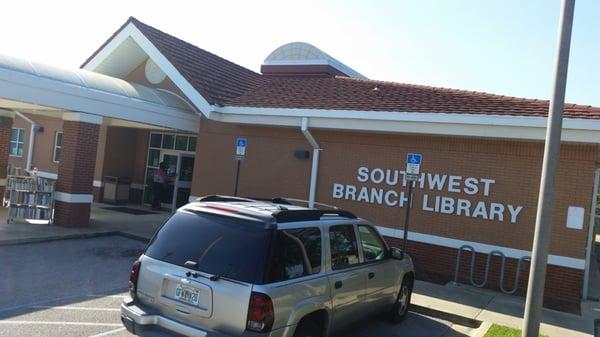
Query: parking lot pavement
[[74, 288]]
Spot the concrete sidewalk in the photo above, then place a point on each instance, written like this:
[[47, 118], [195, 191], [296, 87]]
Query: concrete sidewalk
[[494, 307], [102, 222]]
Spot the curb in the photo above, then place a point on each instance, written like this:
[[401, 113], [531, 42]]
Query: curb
[[454, 318], [57, 238], [73, 237]]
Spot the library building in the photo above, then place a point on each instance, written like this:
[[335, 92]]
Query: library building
[[314, 129]]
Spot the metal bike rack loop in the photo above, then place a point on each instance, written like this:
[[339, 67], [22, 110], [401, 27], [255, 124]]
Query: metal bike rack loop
[[487, 268]]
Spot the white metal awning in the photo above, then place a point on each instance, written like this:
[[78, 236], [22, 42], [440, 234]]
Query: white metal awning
[[43, 89]]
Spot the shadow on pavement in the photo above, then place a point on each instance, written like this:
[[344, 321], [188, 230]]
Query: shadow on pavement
[[415, 325]]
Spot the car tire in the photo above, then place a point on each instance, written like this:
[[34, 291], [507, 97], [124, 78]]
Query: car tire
[[400, 308], [308, 329]]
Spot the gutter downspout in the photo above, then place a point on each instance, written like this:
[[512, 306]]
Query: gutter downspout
[[591, 239], [315, 162], [31, 139]]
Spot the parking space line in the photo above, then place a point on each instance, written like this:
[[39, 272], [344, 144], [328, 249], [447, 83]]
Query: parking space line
[[108, 296], [21, 306], [74, 308], [109, 332], [61, 323]]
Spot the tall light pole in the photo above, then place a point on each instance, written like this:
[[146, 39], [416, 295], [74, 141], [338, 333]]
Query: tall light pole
[[543, 222]]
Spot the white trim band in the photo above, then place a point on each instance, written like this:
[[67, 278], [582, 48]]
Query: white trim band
[[73, 198], [82, 117], [483, 248], [47, 175]]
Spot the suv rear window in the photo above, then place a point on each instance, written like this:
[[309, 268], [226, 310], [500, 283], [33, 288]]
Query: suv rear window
[[224, 246]]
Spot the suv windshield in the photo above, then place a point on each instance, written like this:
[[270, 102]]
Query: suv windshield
[[224, 246]]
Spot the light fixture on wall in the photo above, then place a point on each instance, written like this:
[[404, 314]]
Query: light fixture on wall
[[302, 154]]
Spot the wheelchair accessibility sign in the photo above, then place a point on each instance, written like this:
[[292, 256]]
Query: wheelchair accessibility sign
[[413, 166]]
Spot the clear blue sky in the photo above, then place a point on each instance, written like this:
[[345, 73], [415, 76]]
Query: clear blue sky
[[506, 47]]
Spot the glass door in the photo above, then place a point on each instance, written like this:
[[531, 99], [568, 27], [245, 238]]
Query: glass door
[[171, 160], [183, 185], [177, 152]]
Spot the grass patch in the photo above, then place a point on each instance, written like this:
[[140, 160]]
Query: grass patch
[[504, 331]]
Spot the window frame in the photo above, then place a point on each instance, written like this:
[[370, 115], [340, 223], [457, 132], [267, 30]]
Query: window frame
[[21, 143], [386, 248], [57, 146], [358, 247], [323, 253]]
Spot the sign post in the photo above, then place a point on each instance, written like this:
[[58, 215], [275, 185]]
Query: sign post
[[240, 154], [412, 174]]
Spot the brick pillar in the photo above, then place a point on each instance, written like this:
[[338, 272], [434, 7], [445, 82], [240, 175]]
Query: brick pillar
[[5, 130], [73, 197]]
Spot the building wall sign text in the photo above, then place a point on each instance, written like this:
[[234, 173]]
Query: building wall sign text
[[387, 181]]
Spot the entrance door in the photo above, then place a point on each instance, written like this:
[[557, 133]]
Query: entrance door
[[171, 160], [183, 186], [179, 169]]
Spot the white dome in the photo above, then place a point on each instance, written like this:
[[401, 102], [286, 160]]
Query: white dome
[[302, 53]]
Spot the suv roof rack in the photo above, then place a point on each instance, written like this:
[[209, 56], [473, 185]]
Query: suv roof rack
[[222, 198], [277, 200], [293, 215]]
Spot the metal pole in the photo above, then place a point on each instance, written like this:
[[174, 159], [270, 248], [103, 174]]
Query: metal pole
[[543, 222], [407, 218], [237, 178]]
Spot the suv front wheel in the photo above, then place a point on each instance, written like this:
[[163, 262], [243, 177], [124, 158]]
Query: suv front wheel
[[400, 309]]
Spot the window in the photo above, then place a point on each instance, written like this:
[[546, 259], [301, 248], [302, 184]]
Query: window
[[297, 253], [225, 246], [344, 249], [372, 245], [16, 142], [57, 146]]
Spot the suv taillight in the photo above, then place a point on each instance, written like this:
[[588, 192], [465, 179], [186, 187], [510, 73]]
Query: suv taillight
[[133, 277], [260, 313]]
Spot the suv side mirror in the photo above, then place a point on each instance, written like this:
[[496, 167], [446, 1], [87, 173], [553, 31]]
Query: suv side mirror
[[396, 253]]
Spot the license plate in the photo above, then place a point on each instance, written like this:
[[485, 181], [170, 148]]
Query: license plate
[[187, 295]]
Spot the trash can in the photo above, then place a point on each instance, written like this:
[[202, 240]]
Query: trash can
[[116, 190]]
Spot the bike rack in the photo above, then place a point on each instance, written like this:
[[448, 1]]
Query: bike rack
[[487, 268]]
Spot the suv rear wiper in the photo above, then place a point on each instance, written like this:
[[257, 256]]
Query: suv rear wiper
[[215, 277], [194, 265]]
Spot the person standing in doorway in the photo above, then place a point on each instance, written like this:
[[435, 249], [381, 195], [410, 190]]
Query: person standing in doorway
[[159, 181]]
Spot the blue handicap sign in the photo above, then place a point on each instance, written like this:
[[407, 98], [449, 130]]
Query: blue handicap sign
[[414, 158], [241, 142]]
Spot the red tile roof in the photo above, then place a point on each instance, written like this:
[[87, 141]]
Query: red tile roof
[[226, 83], [345, 93]]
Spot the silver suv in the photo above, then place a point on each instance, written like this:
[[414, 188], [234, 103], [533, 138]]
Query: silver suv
[[226, 266]]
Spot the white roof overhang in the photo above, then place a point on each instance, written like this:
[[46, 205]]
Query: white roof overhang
[[130, 47], [434, 123], [49, 90]]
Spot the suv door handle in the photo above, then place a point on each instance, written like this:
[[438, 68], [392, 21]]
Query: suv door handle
[[338, 284], [371, 275]]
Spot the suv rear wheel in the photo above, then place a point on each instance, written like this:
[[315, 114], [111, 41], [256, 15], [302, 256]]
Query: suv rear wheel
[[400, 309], [308, 328]]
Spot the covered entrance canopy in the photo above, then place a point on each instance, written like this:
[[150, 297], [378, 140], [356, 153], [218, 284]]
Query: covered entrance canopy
[[43, 89], [84, 100]]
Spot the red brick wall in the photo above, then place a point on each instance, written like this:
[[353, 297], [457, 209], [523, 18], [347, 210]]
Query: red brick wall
[[76, 171], [5, 130], [271, 170], [435, 263]]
